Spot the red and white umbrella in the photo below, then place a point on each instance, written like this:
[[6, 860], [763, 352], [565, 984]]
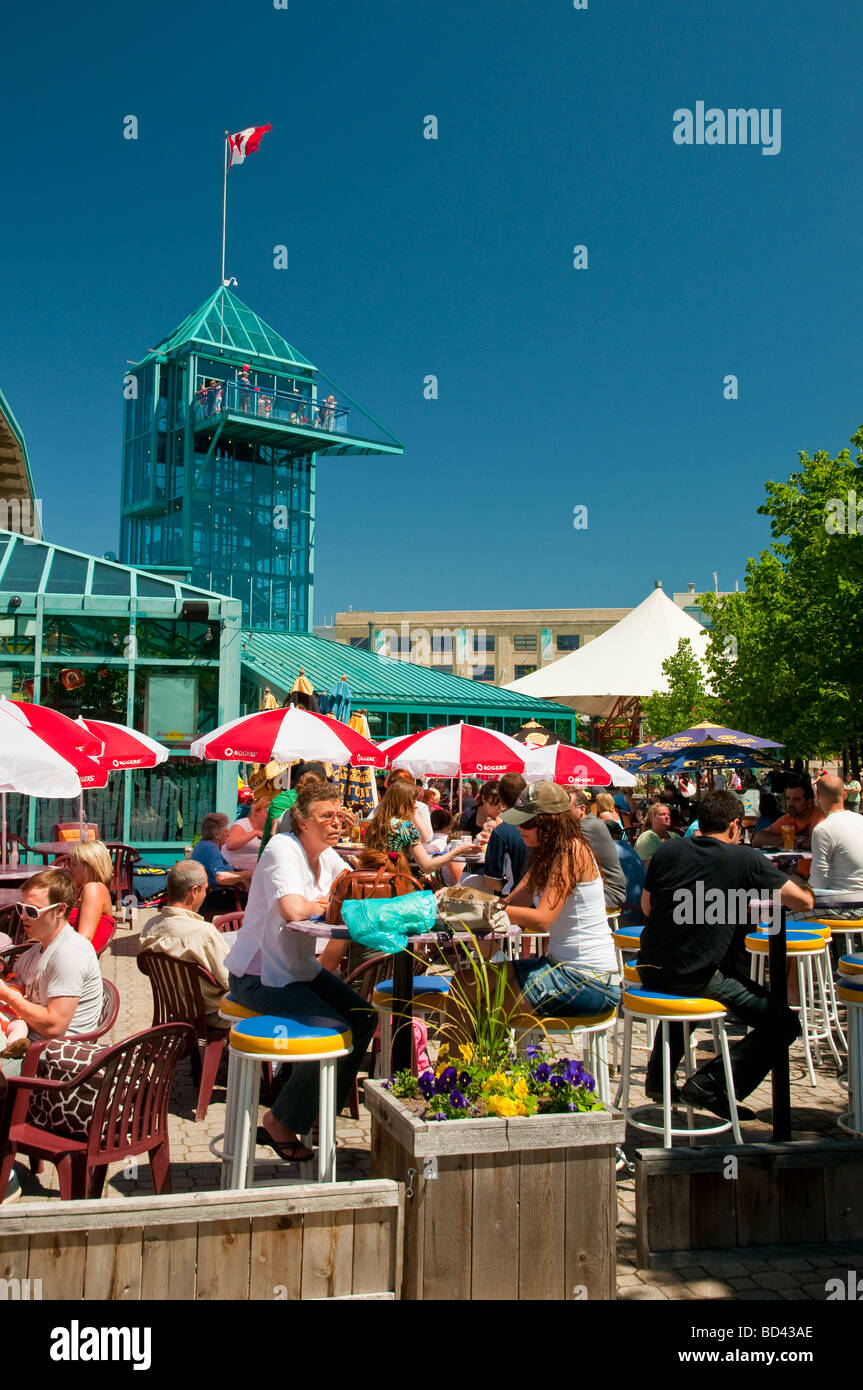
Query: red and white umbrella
[[574, 767], [121, 747], [42, 753], [457, 750], [283, 735]]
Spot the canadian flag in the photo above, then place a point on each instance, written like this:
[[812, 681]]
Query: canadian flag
[[246, 142]]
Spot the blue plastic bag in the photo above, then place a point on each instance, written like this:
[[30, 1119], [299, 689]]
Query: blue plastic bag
[[384, 924]]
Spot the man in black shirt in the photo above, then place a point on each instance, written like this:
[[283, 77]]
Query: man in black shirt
[[696, 897]]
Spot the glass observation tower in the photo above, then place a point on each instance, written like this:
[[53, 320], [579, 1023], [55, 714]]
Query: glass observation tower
[[224, 422]]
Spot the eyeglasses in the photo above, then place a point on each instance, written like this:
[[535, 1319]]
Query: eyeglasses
[[334, 816], [34, 913]]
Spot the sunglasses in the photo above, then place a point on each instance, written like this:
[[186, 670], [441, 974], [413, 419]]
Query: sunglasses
[[34, 913], [528, 824]]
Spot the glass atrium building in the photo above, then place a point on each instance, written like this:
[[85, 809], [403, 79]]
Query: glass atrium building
[[224, 423]]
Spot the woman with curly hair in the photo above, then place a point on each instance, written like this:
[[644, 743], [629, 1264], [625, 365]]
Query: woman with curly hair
[[393, 829], [578, 974]]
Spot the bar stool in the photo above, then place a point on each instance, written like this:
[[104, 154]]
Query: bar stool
[[851, 965], [665, 1009], [850, 992], [595, 1028], [626, 939], [808, 949], [429, 996], [849, 927], [274, 1038]]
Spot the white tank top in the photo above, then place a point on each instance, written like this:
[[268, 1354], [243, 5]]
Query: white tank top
[[580, 934]]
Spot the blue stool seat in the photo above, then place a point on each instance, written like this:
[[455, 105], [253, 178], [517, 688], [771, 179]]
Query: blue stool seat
[[284, 1038], [653, 1001], [851, 965], [422, 984]]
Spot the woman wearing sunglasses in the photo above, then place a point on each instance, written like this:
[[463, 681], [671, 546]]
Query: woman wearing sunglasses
[[60, 991], [274, 971], [561, 895]]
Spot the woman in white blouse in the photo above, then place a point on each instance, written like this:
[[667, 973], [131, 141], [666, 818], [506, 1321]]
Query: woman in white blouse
[[273, 970]]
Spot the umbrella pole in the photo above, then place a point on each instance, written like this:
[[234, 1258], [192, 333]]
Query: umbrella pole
[[4, 831]]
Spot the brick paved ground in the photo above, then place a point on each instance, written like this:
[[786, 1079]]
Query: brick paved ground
[[771, 1273]]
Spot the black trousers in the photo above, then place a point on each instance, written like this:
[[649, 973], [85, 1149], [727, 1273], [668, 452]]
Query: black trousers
[[771, 1026]]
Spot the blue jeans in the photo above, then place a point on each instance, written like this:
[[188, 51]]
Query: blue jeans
[[555, 989], [296, 1105]]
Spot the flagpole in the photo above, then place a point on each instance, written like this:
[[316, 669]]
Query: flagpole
[[224, 207]]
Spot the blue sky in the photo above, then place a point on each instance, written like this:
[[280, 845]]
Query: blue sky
[[407, 257]]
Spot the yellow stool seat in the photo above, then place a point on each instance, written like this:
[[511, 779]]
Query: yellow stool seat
[[574, 1023], [628, 938], [288, 1039], [429, 992], [795, 942], [656, 1005], [851, 965], [229, 1008], [850, 991], [630, 972], [840, 924]]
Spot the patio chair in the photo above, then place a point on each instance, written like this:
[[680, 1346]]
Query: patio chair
[[123, 859], [229, 921], [108, 1016], [23, 848], [177, 998], [129, 1116], [71, 830]]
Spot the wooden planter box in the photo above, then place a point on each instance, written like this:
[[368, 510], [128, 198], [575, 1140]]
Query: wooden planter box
[[516, 1209], [801, 1193], [314, 1241]]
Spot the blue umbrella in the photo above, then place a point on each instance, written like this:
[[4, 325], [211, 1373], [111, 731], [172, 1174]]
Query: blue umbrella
[[340, 700]]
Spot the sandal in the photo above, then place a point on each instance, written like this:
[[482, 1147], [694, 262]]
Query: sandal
[[294, 1151]]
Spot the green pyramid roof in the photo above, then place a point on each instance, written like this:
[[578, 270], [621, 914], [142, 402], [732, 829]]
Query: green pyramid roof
[[225, 321]]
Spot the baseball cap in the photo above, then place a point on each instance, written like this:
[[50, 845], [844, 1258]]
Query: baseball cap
[[539, 799]]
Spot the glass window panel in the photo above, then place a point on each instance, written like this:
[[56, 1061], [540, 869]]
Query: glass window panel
[[523, 671], [417, 722], [24, 570], [525, 642], [397, 724], [18, 637], [169, 802], [153, 588], [108, 580], [68, 574], [84, 636], [568, 642]]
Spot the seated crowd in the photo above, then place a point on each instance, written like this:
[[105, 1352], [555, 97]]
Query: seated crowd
[[558, 865]]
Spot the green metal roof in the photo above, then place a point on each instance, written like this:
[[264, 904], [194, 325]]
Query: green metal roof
[[225, 321], [278, 656]]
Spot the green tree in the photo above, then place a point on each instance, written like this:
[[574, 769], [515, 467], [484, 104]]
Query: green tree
[[786, 656], [686, 703]]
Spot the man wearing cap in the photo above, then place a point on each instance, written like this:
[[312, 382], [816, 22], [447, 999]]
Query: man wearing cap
[[244, 382]]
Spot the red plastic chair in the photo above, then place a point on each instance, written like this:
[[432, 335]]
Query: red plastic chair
[[123, 858], [130, 1115], [177, 998], [229, 921], [108, 1016]]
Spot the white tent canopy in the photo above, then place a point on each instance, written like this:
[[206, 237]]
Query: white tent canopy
[[623, 663]]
